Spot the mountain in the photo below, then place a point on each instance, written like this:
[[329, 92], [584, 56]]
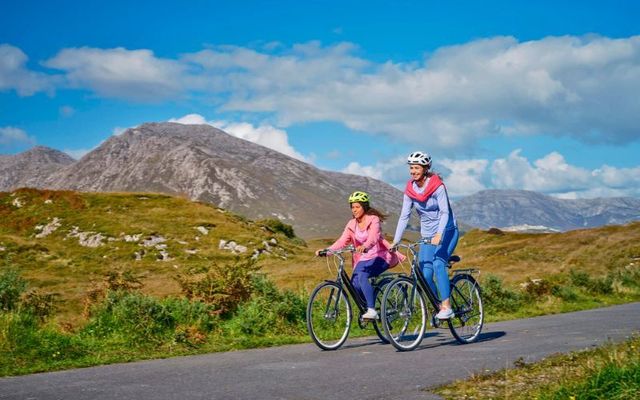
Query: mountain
[[203, 163], [206, 164], [28, 169], [513, 208]]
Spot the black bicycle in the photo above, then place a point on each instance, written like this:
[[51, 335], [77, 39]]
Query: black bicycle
[[329, 312], [405, 310]]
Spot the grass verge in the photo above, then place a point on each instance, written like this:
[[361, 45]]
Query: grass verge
[[608, 372]]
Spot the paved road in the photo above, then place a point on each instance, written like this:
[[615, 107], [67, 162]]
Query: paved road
[[362, 369]]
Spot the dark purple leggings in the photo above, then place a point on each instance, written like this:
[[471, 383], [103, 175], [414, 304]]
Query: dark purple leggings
[[361, 274]]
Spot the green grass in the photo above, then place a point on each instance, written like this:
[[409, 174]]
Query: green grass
[[608, 372], [63, 305]]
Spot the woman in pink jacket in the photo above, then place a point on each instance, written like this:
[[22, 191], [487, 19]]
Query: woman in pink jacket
[[372, 256]]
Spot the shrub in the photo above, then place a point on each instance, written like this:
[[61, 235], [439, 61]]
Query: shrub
[[579, 278], [39, 304], [122, 280], [269, 310], [602, 285], [134, 317], [566, 293], [497, 298], [277, 226], [629, 276], [12, 285], [222, 286], [536, 288], [114, 281], [191, 313], [24, 341]]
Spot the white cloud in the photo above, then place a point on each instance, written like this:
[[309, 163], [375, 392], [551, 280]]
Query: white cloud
[[130, 74], [10, 136], [14, 74], [583, 87], [264, 135], [550, 174], [465, 177], [191, 119], [393, 170], [355, 168]]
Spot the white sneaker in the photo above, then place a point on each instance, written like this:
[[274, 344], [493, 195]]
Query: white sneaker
[[445, 313], [370, 314]]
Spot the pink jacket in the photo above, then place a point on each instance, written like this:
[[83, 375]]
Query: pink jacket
[[375, 244]]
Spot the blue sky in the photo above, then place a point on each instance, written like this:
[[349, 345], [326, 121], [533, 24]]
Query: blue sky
[[513, 95]]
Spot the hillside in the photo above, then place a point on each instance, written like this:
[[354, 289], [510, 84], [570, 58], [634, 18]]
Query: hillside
[[64, 241], [514, 257], [49, 236]]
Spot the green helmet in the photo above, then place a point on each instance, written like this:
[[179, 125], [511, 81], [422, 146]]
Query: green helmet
[[358, 197]]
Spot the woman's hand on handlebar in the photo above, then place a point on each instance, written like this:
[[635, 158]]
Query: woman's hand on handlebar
[[321, 253]]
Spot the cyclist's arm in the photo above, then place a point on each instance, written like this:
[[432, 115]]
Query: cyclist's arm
[[443, 206], [403, 220], [343, 240]]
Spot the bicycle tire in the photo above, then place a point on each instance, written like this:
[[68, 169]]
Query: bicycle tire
[[329, 316], [379, 293], [404, 323], [466, 302]]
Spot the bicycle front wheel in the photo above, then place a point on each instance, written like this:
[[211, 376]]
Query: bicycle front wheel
[[466, 303], [380, 287], [329, 316], [403, 314]]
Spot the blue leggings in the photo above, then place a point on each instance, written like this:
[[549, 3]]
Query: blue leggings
[[361, 274], [434, 259]]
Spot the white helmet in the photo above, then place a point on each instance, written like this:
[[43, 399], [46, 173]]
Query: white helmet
[[419, 158]]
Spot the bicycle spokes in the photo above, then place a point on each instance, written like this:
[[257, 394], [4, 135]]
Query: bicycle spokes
[[328, 316]]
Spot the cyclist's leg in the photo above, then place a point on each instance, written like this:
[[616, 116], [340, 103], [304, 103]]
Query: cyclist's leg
[[425, 257], [440, 260], [360, 279]]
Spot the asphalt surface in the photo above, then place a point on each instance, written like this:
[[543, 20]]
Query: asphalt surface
[[362, 369]]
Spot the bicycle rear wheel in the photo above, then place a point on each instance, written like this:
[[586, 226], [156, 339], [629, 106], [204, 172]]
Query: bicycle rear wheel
[[403, 314], [328, 316], [466, 302]]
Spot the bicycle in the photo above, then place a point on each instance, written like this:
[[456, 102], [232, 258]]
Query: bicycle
[[404, 308], [329, 313]]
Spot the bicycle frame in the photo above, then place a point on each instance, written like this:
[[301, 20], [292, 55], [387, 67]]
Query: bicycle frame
[[416, 275], [342, 279]]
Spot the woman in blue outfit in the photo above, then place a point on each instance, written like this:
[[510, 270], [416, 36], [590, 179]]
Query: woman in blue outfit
[[427, 194]]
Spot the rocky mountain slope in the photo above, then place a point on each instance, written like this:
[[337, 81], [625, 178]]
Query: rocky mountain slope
[[28, 169], [509, 208], [206, 164]]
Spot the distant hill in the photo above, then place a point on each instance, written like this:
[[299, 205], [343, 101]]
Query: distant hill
[[28, 169], [206, 164], [526, 210]]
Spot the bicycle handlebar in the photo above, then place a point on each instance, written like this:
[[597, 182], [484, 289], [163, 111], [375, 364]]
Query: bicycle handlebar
[[346, 249]]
